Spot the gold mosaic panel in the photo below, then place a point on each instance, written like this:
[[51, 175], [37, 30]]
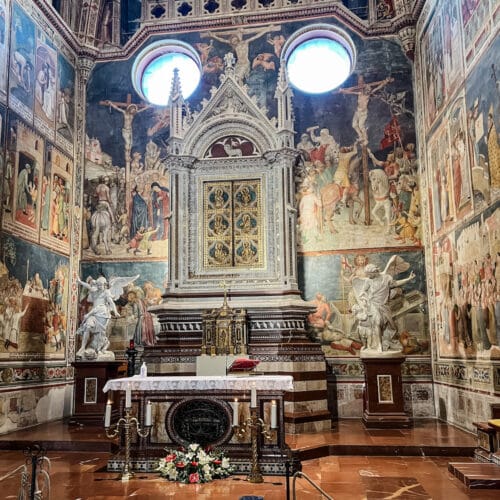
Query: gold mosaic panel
[[232, 224]]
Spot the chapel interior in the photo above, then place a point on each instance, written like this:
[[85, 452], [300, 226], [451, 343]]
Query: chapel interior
[[292, 258]]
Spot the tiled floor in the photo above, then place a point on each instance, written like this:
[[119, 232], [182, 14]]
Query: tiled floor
[[82, 474]]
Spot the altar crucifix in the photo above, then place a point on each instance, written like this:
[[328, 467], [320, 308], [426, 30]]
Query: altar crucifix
[[223, 285]]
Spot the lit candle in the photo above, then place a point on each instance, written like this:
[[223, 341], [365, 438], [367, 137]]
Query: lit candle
[[236, 413], [253, 397], [128, 397], [148, 414], [107, 415], [274, 415]]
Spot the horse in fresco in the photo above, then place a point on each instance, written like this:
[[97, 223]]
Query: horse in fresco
[[333, 193], [382, 207], [101, 225]]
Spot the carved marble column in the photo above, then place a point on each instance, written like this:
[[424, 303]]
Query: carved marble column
[[85, 65]]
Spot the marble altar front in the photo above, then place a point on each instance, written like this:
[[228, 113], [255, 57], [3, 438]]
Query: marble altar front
[[205, 410]]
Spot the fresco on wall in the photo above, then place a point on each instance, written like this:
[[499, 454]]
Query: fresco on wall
[[326, 281], [339, 200], [384, 9], [65, 104], [452, 44], [33, 302], [23, 172], [22, 63], [3, 125], [434, 84], [122, 217], [482, 91], [360, 183], [459, 158], [45, 85], [3, 114], [477, 22], [4, 47], [135, 322], [467, 269], [441, 180], [56, 204]]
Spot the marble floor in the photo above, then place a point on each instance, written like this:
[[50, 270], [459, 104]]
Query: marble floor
[[386, 474]]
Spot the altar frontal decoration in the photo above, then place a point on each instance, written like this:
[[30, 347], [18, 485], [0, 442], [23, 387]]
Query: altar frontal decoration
[[194, 465]]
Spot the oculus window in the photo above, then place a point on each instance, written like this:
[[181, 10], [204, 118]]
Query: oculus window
[[319, 58], [153, 70]]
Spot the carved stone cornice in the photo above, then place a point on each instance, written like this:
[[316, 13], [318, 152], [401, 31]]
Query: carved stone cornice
[[337, 10], [405, 17], [58, 23]]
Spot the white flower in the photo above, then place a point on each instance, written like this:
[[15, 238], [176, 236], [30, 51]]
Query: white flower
[[194, 446], [225, 463]]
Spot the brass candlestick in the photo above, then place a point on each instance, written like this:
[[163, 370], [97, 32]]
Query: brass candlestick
[[256, 425], [127, 423]]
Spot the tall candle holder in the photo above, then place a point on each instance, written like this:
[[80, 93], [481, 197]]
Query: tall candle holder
[[255, 424], [127, 424]]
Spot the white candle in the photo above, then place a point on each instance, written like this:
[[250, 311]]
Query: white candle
[[107, 415], [236, 413], [148, 414], [128, 397], [274, 415], [253, 397]]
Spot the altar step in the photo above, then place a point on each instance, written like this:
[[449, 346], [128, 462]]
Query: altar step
[[357, 440], [476, 475], [383, 450], [61, 435]]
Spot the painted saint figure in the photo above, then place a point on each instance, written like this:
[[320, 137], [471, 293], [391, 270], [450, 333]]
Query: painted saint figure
[[160, 203]]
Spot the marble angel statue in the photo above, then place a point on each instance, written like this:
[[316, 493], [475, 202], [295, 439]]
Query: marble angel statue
[[371, 311], [102, 296]]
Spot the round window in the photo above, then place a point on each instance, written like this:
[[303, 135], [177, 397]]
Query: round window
[[154, 67], [319, 58]]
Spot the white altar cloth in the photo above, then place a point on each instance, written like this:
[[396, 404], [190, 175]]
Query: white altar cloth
[[161, 383]]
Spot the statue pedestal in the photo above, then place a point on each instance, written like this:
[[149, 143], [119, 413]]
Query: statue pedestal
[[383, 403], [89, 398]]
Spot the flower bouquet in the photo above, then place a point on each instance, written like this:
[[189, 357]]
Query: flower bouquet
[[194, 465]]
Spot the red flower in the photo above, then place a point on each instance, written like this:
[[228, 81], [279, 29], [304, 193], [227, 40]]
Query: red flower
[[217, 461], [170, 458], [194, 477], [194, 464], [180, 465]]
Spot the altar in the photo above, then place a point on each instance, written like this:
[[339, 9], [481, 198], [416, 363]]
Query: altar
[[211, 411]]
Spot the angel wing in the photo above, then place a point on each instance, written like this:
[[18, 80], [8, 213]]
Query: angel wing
[[396, 265], [358, 287], [118, 283]]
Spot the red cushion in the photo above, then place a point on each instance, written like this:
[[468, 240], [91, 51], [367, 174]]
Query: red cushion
[[243, 364]]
